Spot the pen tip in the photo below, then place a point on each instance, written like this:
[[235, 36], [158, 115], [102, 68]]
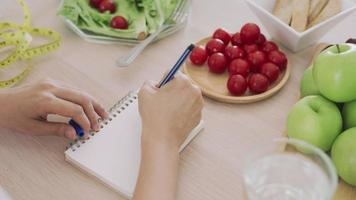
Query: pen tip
[[191, 47]]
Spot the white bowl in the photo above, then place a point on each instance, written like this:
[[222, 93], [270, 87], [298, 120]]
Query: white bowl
[[285, 34]]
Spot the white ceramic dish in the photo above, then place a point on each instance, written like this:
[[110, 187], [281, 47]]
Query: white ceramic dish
[[286, 35]]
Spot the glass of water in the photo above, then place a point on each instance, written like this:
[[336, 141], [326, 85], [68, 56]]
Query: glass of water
[[289, 169]]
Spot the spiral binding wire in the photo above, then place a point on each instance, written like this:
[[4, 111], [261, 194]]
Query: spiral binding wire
[[114, 111]]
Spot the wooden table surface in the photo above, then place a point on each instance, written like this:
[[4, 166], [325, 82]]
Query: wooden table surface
[[210, 168]]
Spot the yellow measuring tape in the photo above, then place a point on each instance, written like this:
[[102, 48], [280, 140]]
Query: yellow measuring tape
[[20, 37]]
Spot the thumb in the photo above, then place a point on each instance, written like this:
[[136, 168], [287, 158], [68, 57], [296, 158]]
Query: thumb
[[55, 128], [148, 87]]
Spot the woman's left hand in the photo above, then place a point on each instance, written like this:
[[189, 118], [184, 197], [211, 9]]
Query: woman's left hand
[[25, 109]]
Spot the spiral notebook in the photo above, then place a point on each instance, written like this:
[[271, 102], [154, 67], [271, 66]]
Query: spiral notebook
[[113, 154]]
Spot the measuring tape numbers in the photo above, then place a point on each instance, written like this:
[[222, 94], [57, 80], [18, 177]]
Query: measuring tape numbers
[[20, 37]]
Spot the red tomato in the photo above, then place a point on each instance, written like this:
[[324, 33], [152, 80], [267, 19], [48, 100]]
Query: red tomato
[[198, 55], [95, 3], [239, 66], [107, 5], [249, 48], [269, 46], [279, 59], [250, 33], [258, 83], [119, 22], [261, 39], [217, 63], [256, 59], [237, 85], [232, 52], [236, 39], [222, 35], [271, 71], [214, 46]]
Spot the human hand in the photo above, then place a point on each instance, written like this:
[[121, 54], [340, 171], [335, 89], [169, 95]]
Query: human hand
[[170, 113], [25, 109]]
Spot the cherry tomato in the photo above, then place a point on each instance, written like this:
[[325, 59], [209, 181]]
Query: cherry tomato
[[279, 59], [249, 48], [271, 71], [107, 5], [258, 83], [217, 63], [95, 3], [250, 33], [237, 85], [119, 22], [236, 39], [256, 59], [198, 55], [239, 66], [222, 35], [261, 39], [214, 46], [269, 46], [232, 52]]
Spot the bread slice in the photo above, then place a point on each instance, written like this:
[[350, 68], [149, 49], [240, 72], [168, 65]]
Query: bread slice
[[316, 6], [332, 8], [300, 15], [283, 10]]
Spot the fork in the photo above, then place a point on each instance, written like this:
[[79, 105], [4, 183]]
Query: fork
[[177, 17]]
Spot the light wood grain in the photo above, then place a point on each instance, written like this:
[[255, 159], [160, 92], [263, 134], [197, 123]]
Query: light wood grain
[[33, 168]]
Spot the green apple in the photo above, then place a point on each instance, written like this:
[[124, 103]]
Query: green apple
[[307, 85], [343, 154], [349, 114], [315, 120], [334, 72]]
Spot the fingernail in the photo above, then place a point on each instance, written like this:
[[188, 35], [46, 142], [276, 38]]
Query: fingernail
[[96, 127], [86, 136], [106, 115]]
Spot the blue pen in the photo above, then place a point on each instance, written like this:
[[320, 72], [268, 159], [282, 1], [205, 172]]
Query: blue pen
[[176, 67], [76, 126], [170, 75]]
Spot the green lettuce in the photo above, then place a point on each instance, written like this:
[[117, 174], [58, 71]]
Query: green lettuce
[[144, 16]]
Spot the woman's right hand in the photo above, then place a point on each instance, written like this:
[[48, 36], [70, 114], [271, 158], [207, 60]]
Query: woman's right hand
[[170, 113]]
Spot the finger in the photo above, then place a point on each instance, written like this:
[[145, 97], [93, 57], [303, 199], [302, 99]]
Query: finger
[[198, 118], [164, 74], [180, 75], [100, 110], [197, 105], [152, 85], [53, 128], [180, 81], [84, 100], [199, 94], [68, 109], [147, 88]]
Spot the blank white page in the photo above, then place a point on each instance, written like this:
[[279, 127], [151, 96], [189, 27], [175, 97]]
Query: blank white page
[[113, 154]]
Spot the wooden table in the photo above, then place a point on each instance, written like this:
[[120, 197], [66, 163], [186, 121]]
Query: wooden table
[[34, 167]]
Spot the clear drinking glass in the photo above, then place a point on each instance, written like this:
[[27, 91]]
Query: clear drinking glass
[[289, 169]]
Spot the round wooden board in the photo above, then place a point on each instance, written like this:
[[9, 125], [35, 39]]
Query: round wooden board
[[214, 85]]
